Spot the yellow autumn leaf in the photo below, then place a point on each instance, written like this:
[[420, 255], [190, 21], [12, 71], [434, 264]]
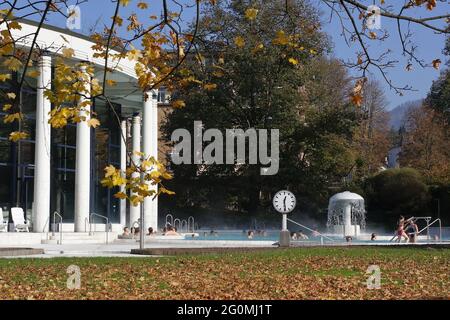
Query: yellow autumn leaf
[[281, 38], [67, 52], [33, 73], [9, 118], [142, 5], [166, 191], [109, 171], [15, 25], [210, 86], [356, 99], [293, 61], [178, 104], [93, 123], [436, 63], [12, 64], [11, 95], [251, 13], [4, 77], [133, 54], [258, 47], [120, 195], [111, 83], [17, 135], [239, 41]]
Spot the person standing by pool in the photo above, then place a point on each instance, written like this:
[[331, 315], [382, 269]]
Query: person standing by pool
[[413, 231], [401, 229]]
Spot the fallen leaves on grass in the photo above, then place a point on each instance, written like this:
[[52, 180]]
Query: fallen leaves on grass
[[281, 274]]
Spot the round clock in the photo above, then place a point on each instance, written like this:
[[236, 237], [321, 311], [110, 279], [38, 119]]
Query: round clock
[[284, 201]]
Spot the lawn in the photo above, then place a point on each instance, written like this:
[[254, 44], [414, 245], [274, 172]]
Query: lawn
[[300, 273]]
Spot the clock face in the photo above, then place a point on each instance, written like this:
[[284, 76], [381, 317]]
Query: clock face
[[284, 201]]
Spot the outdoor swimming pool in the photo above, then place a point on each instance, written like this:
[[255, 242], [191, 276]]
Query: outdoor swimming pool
[[274, 235]]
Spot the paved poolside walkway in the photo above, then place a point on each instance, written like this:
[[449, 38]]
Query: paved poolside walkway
[[123, 249]]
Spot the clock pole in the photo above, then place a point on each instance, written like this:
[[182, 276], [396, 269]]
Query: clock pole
[[285, 235], [284, 223], [284, 208]]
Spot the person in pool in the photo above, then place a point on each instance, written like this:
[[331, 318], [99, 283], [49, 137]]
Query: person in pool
[[250, 234], [126, 232], [171, 231], [302, 236], [373, 237]]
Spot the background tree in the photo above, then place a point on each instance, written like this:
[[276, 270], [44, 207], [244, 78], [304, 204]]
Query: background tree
[[265, 67], [371, 139], [427, 145], [396, 192]]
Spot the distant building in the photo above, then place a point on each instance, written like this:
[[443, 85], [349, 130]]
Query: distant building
[[60, 169]]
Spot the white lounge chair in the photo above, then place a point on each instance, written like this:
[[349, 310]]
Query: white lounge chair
[[3, 223], [20, 225]]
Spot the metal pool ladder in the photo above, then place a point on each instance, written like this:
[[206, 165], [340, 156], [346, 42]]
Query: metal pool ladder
[[106, 225]]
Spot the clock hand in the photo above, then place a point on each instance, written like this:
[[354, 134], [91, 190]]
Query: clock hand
[[284, 203]]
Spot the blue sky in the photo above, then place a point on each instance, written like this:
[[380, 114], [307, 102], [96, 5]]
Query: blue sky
[[430, 45]]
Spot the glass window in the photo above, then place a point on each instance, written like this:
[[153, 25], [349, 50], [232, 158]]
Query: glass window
[[5, 185], [63, 195], [5, 150]]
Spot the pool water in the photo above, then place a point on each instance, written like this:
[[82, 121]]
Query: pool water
[[235, 236], [274, 235]]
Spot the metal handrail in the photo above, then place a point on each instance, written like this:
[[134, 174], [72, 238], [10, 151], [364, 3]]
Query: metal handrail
[[167, 219], [175, 224], [323, 236], [428, 228], [45, 225], [60, 225], [106, 225], [191, 224], [184, 224]]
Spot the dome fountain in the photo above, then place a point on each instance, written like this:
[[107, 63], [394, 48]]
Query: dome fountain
[[346, 214]]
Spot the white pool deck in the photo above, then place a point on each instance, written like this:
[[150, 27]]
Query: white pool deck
[[86, 245]]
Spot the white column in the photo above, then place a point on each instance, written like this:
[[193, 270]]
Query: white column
[[150, 149], [123, 168], [82, 165], [41, 210], [135, 211]]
